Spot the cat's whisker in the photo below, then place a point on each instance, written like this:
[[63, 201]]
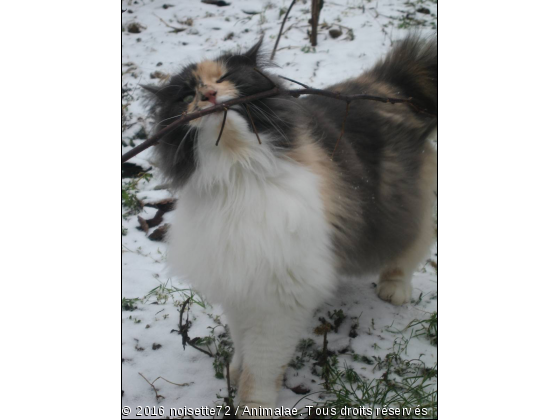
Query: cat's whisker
[[292, 102], [181, 145], [168, 86], [272, 123], [267, 118], [253, 123], [274, 114], [170, 118]]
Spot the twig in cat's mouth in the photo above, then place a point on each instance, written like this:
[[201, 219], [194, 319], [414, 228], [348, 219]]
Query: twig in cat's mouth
[[295, 81], [223, 125], [296, 93], [252, 123], [265, 76]]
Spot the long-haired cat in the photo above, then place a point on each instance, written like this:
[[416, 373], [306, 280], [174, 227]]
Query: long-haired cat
[[267, 229]]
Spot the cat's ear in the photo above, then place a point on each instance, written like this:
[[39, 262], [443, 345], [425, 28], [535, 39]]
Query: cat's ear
[[154, 90], [155, 93], [253, 53]]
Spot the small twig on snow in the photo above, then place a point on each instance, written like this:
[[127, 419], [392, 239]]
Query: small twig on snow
[[153, 387], [184, 329], [158, 396], [230, 396], [175, 30]]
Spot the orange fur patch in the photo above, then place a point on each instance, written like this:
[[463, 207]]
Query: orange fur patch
[[206, 73], [391, 274], [336, 203], [246, 385], [209, 71]]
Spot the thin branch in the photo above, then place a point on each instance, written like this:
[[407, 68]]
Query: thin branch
[[326, 359], [281, 28], [175, 30], [185, 303], [193, 116], [257, 96], [230, 396], [347, 98], [223, 125], [315, 11], [172, 383], [158, 396], [342, 131], [153, 387], [184, 329], [189, 342], [289, 47], [294, 81], [265, 76], [253, 123]]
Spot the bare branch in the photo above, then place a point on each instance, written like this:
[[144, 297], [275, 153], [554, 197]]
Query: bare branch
[[230, 396], [158, 396], [294, 81], [223, 125], [315, 12], [253, 123], [281, 28], [153, 387], [175, 30], [265, 76], [262, 95], [184, 328], [193, 116]]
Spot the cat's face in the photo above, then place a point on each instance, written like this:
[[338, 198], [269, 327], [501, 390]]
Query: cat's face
[[205, 84], [202, 85]]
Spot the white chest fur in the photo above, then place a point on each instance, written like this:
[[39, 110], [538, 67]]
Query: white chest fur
[[250, 226]]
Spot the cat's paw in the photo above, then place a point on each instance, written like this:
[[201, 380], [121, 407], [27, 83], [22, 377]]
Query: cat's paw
[[397, 292]]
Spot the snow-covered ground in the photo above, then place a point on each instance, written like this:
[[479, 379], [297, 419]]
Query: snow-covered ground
[[149, 348]]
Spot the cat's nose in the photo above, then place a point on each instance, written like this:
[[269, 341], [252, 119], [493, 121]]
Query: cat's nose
[[210, 96]]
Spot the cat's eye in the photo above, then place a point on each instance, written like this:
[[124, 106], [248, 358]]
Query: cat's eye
[[188, 99], [229, 73]]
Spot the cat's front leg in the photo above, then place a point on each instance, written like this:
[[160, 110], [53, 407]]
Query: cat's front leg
[[269, 339]]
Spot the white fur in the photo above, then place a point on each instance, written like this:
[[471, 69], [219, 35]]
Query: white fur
[[250, 233]]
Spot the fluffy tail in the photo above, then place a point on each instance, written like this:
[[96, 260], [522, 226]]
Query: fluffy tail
[[411, 67]]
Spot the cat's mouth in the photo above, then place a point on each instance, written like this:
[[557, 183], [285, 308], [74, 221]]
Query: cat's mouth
[[209, 100], [209, 96]]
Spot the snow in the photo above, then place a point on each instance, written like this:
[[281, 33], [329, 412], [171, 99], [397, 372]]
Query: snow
[[143, 261]]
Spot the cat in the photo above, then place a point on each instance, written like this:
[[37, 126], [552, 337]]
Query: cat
[[267, 230]]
